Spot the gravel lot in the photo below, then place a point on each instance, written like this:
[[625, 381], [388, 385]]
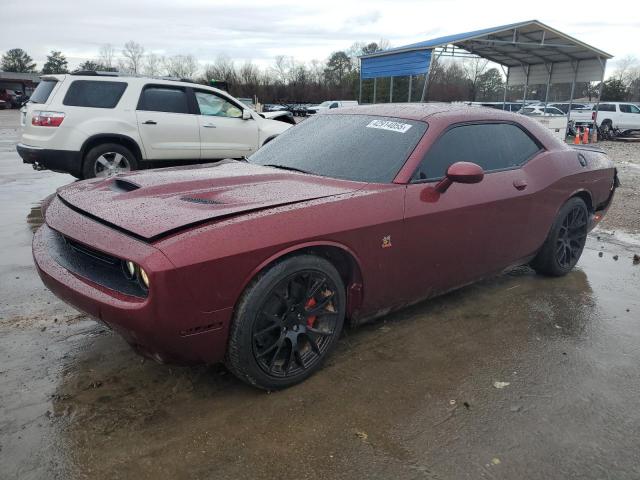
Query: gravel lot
[[516, 377]]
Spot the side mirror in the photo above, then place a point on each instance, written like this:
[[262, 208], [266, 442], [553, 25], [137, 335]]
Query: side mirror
[[461, 172], [246, 114]]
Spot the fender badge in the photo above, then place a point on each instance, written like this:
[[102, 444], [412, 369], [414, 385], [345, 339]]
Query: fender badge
[[386, 241]]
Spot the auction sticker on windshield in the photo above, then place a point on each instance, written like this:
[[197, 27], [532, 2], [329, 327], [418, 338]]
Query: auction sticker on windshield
[[388, 125]]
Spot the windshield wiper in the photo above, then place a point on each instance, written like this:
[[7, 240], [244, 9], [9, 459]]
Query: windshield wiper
[[284, 167]]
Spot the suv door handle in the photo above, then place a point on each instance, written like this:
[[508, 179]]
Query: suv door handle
[[150, 122], [209, 125], [520, 184]]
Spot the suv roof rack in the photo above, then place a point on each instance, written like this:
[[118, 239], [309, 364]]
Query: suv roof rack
[[101, 73]]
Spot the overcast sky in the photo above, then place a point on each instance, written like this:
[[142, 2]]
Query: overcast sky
[[260, 30]]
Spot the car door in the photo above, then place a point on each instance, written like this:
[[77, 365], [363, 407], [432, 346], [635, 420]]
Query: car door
[[223, 131], [168, 127], [629, 117], [470, 230]]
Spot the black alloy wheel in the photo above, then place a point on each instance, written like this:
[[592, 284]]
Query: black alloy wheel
[[566, 239], [287, 322], [295, 324]]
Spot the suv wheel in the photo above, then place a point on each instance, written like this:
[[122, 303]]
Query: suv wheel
[[107, 160]]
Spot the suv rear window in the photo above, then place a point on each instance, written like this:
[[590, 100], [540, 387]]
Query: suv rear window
[[164, 99], [94, 94], [42, 91]]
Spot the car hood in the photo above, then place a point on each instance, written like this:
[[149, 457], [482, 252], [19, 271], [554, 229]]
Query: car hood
[[155, 203], [275, 114]]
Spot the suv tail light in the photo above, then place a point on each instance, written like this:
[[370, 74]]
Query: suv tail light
[[593, 115], [47, 119]]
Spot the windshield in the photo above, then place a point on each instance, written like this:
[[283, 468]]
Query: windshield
[[325, 104], [362, 148]]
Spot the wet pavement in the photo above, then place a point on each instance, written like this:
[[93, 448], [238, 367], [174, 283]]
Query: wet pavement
[[516, 377]]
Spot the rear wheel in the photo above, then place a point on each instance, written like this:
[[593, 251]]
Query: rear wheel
[[287, 322], [107, 160], [563, 247]]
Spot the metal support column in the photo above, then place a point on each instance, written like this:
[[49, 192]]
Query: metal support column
[[426, 78], [374, 89], [573, 87], [603, 64], [506, 87], [549, 68], [410, 87], [526, 84], [391, 91], [360, 92]]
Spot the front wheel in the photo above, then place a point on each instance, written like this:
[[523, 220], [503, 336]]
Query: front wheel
[[565, 242], [107, 160], [287, 322]]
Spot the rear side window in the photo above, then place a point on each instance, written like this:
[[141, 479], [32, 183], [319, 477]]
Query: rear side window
[[42, 91], [164, 99], [94, 94], [493, 146], [605, 107]]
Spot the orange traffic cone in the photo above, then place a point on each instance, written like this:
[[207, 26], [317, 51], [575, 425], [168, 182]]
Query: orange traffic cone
[[576, 139], [585, 136]]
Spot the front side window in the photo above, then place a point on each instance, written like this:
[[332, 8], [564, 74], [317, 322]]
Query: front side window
[[493, 146], [94, 94], [164, 99], [605, 107], [629, 108], [213, 105], [364, 148]]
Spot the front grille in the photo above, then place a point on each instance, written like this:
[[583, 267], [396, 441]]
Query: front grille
[[92, 264]]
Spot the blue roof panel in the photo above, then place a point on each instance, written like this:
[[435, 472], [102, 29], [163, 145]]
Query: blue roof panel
[[396, 65]]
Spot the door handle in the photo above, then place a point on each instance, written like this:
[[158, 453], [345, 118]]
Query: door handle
[[150, 122], [520, 184], [209, 125]]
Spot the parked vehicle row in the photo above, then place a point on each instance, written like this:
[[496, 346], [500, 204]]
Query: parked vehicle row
[[351, 214], [92, 125]]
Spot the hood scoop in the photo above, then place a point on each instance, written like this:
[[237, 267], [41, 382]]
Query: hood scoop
[[202, 201], [122, 185]]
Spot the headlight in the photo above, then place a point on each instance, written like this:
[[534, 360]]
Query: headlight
[[144, 277], [130, 269]]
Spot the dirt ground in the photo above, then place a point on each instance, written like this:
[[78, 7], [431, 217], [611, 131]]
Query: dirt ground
[[516, 377]]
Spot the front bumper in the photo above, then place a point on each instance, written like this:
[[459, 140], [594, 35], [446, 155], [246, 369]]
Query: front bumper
[[164, 325], [66, 161]]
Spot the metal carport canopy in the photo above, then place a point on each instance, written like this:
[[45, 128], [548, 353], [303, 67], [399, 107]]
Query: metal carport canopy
[[532, 52]]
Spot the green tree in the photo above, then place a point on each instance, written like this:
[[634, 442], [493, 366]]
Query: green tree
[[614, 90], [490, 86], [92, 65], [338, 66], [17, 60], [56, 63]]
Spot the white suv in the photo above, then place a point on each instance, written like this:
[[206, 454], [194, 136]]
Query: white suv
[[99, 125]]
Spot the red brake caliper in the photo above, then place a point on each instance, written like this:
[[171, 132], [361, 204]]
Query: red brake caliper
[[310, 304]]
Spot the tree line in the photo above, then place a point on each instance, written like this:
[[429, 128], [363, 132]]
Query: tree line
[[338, 77]]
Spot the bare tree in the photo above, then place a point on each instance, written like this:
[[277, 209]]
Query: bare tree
[[473, 69], [282, 68], [106, 55], [181, 66], [154, 65], [133, 53], [223, 69]]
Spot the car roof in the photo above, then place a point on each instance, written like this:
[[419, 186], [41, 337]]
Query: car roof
[[423, 111]]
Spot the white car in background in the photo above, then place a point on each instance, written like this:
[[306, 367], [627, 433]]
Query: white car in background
[[94, 125], [330, 104], [535, 110], [613, 118]]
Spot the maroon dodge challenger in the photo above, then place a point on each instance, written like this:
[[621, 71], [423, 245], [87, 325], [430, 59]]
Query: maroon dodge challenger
[[258, 263]]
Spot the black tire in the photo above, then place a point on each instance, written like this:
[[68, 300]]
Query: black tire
[[107, 151], [286, 323], [565, 242], [607, 130]]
